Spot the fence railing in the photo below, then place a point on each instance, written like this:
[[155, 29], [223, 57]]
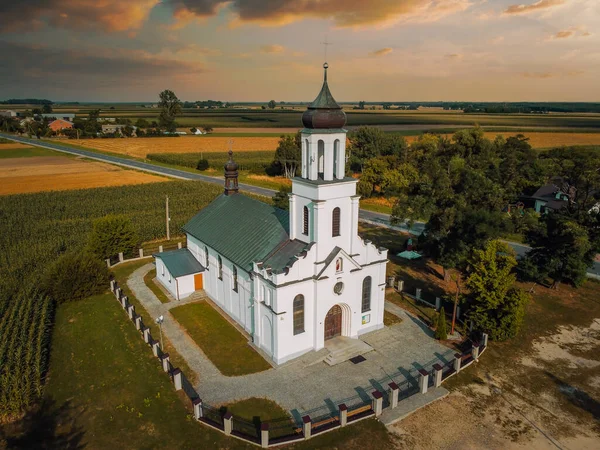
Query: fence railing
[[142, 253], [370, 402]]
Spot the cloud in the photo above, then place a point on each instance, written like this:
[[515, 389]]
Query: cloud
[[580, 31], [36, 67], [547, 75], [382, 51], [497, 40], [564, 34], [273, 48], [107, 15], [539, 5], [344, 13], [454, 56]]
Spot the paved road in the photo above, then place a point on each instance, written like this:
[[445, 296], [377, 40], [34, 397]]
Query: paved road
[[366, 216]]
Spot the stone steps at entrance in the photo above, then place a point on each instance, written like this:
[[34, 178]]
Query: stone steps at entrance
[[343, 348]]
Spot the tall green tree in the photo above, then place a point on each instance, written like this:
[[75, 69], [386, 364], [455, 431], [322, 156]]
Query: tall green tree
[[289, 154], [170, 107], [441, 331], [272, 104], [281, 198], [496, 306], [111, 235]]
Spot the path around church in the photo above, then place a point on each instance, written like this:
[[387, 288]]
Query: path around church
[[301, 388]]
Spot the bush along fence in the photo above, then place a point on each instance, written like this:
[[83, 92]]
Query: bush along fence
[[111, 262], [312, 423]]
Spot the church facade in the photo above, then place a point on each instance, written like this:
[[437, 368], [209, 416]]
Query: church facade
[[292, 279]]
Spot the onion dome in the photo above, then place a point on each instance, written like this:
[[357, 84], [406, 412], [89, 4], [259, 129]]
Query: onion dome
[[324, 112], [231, 165]]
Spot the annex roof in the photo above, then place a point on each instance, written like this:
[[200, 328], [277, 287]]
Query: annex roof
[[180, 262], [243, 230]]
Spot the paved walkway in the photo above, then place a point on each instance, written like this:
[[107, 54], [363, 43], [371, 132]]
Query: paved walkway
[[304, 385]]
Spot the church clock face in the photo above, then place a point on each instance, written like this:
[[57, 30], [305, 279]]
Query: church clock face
[[338, 288]]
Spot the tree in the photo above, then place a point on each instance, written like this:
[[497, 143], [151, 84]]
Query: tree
[[47, 108], [281, 199], [111, 235], [202, 164], [440, 329], [289, 154], [272, 104], [495, 305], [170, 108], [142, 123], [74, 276], [561, 250]]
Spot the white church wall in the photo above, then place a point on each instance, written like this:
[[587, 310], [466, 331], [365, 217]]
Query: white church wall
[[164, 277], [185, 286]]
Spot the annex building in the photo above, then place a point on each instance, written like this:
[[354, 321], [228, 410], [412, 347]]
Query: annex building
[[292, 279]]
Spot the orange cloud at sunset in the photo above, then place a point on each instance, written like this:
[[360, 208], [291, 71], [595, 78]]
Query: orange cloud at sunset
[[539, 5], [382, 51]]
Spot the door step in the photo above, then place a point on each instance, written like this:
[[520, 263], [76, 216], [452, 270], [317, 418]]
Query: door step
[[343, 348]]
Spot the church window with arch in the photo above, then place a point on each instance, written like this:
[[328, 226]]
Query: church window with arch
[[366, 295], [235, 279], [298, 314], [335, 222], [220, 268], [206, 256]]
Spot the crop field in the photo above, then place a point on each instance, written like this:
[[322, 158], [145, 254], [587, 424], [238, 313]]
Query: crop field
[[12, 146], [59, 173], [39, 227], [258, 160], [141, 147], [542, 140]]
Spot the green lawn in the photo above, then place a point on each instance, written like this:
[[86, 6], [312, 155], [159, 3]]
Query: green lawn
[[121, 273], [225, 346], [149, 280], [106, 390], [26, 152]]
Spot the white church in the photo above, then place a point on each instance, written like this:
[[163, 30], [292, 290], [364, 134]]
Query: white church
[[292, 280]]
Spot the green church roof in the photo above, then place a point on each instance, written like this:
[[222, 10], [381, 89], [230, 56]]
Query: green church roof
[[180, 262], [243, 230]]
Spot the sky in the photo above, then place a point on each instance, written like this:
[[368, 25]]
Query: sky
[[257, 50]]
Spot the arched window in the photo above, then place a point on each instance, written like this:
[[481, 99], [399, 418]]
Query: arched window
[[336, 158], [339, 265], [299, 314], [320, 158], [335, 222], [306, 159], [235, 280], [206, 256], [305, 221], [220, 268], [366, 295]]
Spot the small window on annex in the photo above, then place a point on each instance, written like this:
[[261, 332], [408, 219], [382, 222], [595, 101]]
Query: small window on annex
[[299, 314], [206, 256], [235, 279], [220, 268]]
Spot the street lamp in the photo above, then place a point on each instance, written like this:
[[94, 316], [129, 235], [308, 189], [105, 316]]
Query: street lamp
[[159, 320]]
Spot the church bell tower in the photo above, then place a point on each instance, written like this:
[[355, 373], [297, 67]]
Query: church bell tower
[[323, 202]]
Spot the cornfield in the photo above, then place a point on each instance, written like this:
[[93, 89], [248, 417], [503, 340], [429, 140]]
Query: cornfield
[[38, 228], [246, 160]]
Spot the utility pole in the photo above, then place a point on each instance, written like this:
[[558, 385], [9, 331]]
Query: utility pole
[[168, 219]]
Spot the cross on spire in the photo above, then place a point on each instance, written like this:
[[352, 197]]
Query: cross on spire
[[325, 44]]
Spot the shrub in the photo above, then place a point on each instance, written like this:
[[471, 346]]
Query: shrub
[[74, 276], [441, 332], [202, 164], [111, 235]]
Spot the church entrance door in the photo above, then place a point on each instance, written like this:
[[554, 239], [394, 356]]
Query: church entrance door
[[333, 322]]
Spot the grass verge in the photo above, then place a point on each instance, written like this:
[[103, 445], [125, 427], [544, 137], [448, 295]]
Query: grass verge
[[390, 319], [225, 346], [27, 152], [149, 280], [122, 273]]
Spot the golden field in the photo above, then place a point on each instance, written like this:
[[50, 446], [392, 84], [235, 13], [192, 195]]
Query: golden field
[[13, 145], [542, 140], [140, 147], [58, 173]]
